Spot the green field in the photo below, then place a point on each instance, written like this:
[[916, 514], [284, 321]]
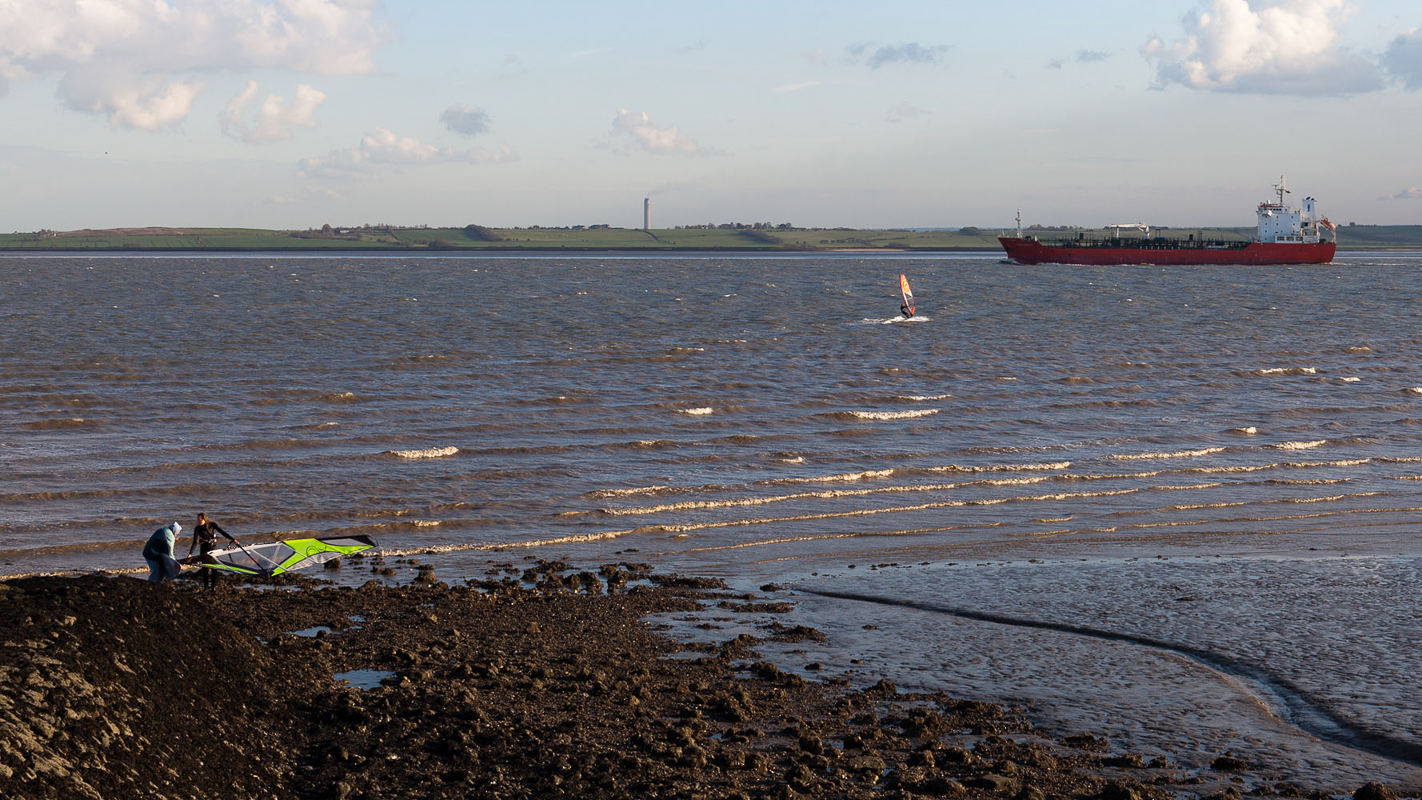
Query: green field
[[601, 238]]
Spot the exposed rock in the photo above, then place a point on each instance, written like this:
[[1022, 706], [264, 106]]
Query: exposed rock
[[1229, 763], [500, 689], [993, 782], [1373, 790]]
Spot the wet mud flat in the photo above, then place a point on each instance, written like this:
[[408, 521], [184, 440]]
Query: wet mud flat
[[538, 682]]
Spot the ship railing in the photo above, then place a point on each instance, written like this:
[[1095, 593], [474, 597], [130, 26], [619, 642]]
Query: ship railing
[[1138, 243]]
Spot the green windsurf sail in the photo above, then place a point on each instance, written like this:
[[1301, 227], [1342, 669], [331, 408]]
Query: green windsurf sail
[[274, 558]]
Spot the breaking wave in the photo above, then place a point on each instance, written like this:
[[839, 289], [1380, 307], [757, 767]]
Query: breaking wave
[[1286, 371], [433, 452], [885, 415], [1206, 451], [633, 492], [1300, 445]]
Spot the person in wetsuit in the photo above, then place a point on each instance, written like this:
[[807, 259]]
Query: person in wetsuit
[[205, 539], [904, 309]]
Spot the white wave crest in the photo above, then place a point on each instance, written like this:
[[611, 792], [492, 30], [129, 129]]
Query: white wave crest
[[1345, 462], [1287, 371], [1206, 451], [640, 490], [1415, 390], [1248, 430], [924, 398], [1055, 465], [847, 477], [1300, 445], [1351, 379], [433, 452], [697, 412], [881, 415]]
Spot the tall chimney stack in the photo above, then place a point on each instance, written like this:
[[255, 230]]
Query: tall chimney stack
[[646, 213]]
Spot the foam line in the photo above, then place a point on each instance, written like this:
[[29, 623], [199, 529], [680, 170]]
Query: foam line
[[867, 512]]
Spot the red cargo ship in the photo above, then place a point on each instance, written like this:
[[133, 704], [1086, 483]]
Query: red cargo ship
[[1286, 236]]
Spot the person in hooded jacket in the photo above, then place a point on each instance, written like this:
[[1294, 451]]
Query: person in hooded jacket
[[159, 554]]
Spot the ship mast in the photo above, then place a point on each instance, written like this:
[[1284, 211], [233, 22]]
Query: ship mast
[[1279, 187], [1019, 223]]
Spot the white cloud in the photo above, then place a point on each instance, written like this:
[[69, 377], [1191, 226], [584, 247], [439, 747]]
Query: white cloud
[[381, 149], [512, 67], [904, 111], [135, 60], [464, 120], [1266, 47], [795, 87], [1410, 193], [650, 137], [876, 56], [275, 119], [131, 101], [1404, 58]]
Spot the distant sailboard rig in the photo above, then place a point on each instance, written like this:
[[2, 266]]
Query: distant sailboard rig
[[274, 558], [906, 306]]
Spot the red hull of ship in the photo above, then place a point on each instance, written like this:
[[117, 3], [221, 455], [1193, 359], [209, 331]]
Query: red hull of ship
[[1026, 251]]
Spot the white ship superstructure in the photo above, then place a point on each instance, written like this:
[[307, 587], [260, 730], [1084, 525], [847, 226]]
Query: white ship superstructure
[[1279, 224]]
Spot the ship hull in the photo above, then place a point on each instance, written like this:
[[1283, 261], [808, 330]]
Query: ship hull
[[1027, 251]]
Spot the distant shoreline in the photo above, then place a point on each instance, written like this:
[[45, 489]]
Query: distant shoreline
[[472, 252], [598, 239]]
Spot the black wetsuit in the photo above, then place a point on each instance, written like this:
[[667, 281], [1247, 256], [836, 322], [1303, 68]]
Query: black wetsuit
[[903, 309], [205, 537]]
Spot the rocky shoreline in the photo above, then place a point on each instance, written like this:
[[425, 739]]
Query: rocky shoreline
[[540, 681]]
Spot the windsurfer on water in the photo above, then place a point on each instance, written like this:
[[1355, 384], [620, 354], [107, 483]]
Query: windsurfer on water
[[904, 309]]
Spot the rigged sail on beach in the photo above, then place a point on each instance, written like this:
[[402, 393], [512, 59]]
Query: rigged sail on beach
[[907, 294], [274, 558]]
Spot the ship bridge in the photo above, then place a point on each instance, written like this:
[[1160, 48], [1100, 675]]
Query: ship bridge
[[1280, 224]]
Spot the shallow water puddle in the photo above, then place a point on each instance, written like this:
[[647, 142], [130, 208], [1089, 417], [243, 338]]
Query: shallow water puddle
[[312, 632], [364, 679]]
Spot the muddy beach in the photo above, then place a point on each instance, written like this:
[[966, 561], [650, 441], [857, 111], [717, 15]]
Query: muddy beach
[[539, 681]]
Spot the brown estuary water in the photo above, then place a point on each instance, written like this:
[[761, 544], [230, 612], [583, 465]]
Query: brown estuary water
[[1176, 506]]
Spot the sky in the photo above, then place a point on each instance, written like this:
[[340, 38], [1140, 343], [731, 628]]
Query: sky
[[897, 113]]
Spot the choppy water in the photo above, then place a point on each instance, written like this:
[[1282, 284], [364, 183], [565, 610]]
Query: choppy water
[[770, 418]]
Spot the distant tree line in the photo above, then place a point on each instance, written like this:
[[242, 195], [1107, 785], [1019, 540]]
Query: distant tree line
[[738, 226]]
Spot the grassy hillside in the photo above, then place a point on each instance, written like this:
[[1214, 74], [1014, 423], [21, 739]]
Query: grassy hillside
[[1371, 236], [601, 238]]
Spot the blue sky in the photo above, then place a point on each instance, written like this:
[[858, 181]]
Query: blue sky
[[294, 113]]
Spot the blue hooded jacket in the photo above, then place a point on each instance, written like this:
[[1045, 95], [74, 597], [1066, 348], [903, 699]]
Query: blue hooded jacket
[[162, 541]]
